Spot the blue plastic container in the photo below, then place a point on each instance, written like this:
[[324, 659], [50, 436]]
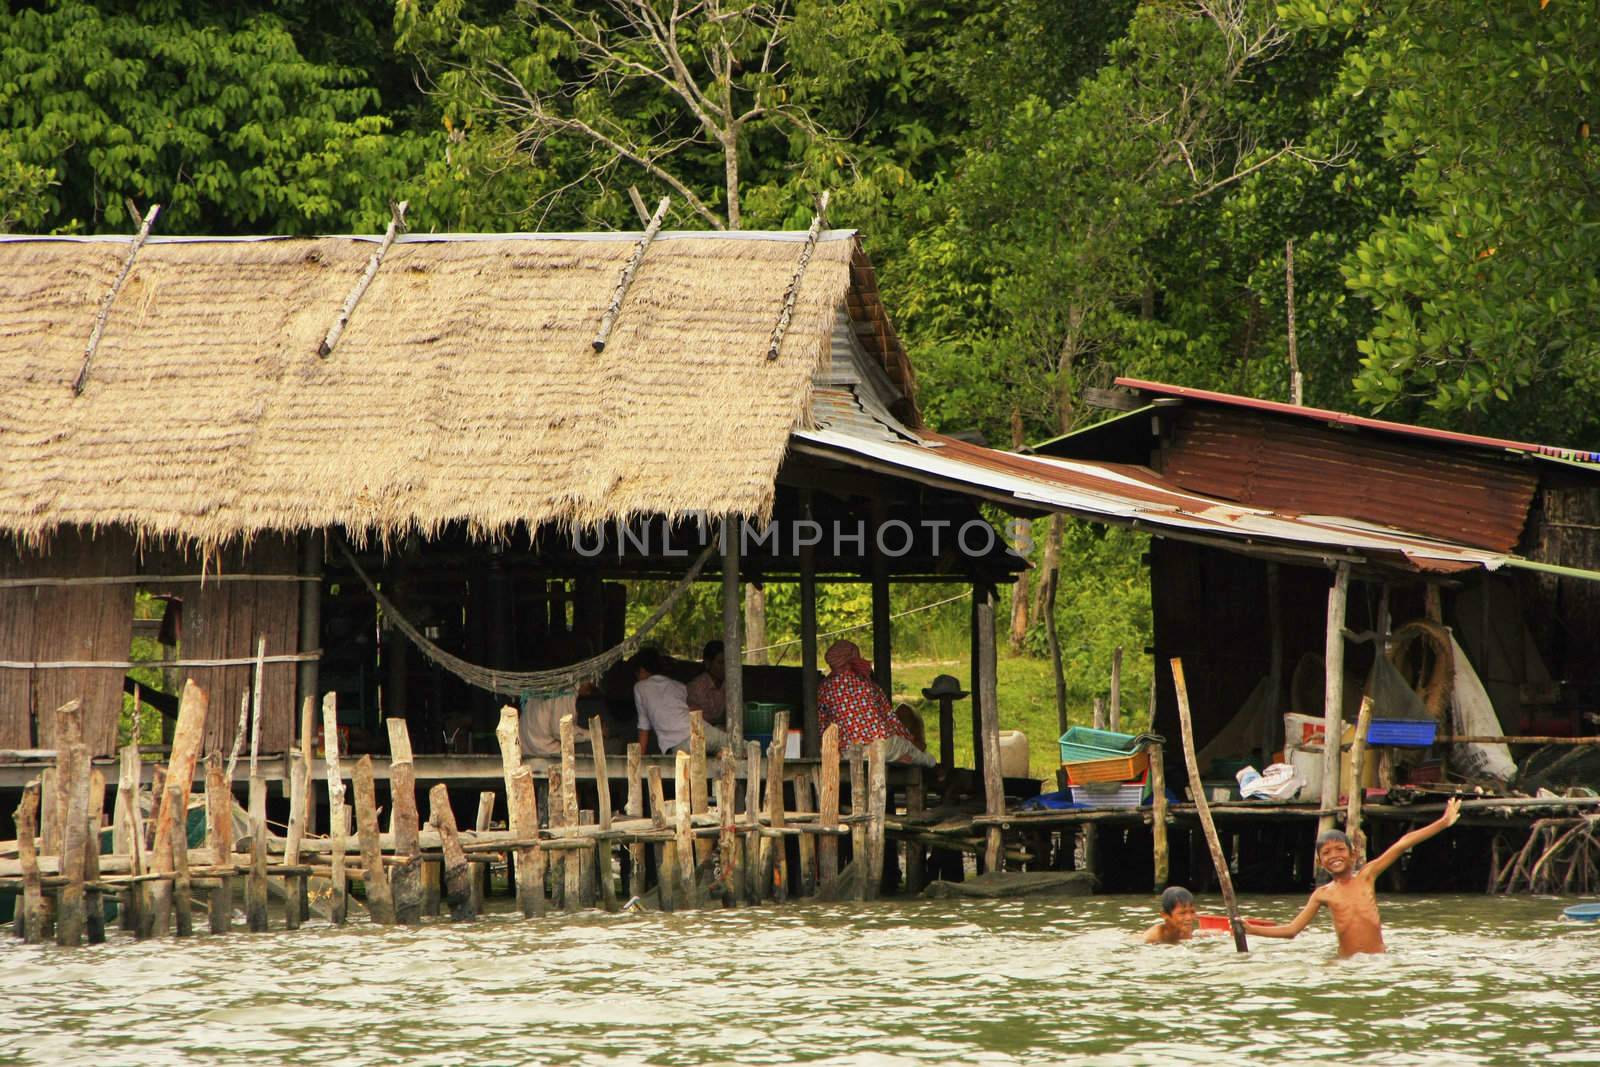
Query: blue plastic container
[[1583, 913], [1082, 743], [1405, 733]]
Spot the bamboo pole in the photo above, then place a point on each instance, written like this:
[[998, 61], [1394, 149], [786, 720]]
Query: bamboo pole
[[1203, 807], [338, 820], [397, 224], [792, 293], [405, 879], [111, 294], [1352, 816], [609, 319], [380, 902], [1158, 825], [602, 788]]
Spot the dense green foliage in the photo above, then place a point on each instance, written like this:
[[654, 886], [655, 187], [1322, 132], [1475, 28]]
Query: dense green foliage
[[1055, 192]]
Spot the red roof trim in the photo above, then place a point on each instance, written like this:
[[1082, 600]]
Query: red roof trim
[[1361, 421]]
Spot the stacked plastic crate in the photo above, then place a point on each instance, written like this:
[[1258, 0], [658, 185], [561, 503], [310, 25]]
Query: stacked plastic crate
[[1106, 769]]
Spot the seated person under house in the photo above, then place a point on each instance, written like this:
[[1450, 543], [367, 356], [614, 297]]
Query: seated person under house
[[705, 689], [849, 697], [663, 708]]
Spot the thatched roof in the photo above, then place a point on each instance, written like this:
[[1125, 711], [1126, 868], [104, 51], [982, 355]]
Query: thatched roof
[[465, 387]]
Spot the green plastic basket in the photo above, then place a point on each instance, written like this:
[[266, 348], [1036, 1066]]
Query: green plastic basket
[[758, 716]]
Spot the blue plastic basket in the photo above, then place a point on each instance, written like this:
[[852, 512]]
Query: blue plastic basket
[[1086, 743], [1406, 733]]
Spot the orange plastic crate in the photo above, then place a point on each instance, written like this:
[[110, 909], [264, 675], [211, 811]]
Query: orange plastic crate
[[1117, 769]]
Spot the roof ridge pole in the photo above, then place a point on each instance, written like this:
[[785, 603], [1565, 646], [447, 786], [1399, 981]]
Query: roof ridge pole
[[625, 279], [111, 296], [397, 224], [793, 292]]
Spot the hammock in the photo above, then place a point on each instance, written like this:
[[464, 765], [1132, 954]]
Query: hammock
[[515, 683]]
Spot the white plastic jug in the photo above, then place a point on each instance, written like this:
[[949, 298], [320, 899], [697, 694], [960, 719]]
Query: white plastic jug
[[1013, 754]]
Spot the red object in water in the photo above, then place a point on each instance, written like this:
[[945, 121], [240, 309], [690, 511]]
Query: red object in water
[[1215, 922]]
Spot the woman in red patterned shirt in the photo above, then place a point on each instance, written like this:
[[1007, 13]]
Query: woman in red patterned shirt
[[848, 696]]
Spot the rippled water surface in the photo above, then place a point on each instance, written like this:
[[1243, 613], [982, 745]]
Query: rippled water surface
[[1467, 980]]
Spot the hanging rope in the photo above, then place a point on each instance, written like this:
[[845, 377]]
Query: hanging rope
[[515, 683]]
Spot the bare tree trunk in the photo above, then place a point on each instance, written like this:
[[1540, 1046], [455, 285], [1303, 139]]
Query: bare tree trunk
[[730, 168], [1054, 548], [1019, 592]]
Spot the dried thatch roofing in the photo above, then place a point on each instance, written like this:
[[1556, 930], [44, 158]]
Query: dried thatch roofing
[[464, 389]]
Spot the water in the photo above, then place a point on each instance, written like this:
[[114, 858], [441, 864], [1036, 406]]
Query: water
[[1468, 979]]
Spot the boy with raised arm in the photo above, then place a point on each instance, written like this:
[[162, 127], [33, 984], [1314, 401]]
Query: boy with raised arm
[[1351, 895]]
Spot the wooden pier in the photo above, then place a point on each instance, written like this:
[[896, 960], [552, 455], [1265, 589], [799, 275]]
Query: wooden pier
[[700, 847]]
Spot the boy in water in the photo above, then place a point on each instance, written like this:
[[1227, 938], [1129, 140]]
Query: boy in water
[[1350, 896], [1177, 918]]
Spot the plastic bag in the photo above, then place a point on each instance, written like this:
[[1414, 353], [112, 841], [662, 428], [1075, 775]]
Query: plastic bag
[[1472, 712]]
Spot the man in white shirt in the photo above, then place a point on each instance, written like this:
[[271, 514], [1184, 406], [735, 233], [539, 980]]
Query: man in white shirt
[[664, 708]]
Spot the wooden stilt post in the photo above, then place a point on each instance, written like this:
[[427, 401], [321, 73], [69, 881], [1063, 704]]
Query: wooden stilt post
[[523, 805], [1352, 816], [635, 810], [380, 901], [338, 818], [556, 816], [858, 829], [602, 786], [123, 814], [727, 840], [806, 884], [170, 819], [994, 797], [751, 848], [405, 879], [1203, 807], [480, 871], [94, 909], [810, 721], [308, 728], [219, 838], [30, 909], [182, 899], [457, 873], [732, 636], [828, 814], [699, 786], [882, 667], [1158, 825], [775, 867], [666, 854], [916, 802], [1115, 699], [255, 886], [1333, 696], [292, 914], [878, 794], [572, 895], [682, 806], [588, 891]]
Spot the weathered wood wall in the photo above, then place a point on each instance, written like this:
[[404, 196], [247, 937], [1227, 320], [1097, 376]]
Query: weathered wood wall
[[65, 623], [223, 620]]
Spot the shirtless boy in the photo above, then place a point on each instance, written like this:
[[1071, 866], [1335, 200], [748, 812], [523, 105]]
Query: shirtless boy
[[1350, 897], [1177, 918]]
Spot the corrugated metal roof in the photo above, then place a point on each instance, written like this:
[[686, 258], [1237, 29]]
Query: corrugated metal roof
[[1134, 495], [1254, 458], [1324, 415]]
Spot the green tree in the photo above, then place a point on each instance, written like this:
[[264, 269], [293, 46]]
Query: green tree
[[1482, 279]]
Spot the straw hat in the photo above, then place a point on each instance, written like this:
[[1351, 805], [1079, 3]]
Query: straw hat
[[944, 686]]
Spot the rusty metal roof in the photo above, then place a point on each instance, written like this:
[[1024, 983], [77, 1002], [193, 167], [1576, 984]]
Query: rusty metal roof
[[1135, 496]]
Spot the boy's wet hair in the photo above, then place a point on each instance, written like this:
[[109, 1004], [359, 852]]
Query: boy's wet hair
[[1332, 837], [1175, 897]]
